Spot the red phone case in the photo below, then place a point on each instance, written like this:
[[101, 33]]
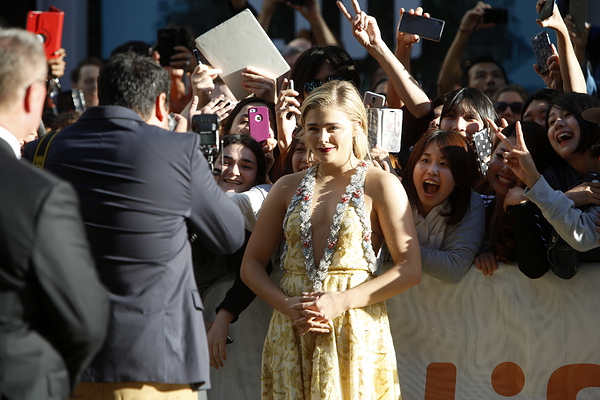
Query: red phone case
[[48, 25], [258, 123]]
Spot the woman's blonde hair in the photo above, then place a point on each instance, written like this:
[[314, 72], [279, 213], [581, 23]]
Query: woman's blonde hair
[[345, 97]]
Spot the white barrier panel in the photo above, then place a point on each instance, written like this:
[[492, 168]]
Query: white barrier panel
[[497, 337], [500, 336]]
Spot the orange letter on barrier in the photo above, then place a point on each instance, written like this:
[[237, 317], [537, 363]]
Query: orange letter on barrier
[[508, 379], [567, 381], [441, 381]]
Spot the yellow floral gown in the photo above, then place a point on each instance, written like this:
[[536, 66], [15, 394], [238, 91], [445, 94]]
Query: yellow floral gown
[[357, 359]]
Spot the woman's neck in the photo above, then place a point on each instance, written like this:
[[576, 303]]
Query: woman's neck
[[336, 170]]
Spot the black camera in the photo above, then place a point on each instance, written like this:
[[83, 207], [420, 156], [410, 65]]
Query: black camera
[[207, 126]]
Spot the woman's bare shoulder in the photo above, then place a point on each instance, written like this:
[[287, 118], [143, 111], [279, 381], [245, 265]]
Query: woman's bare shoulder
[[286, 185], [379, 180]]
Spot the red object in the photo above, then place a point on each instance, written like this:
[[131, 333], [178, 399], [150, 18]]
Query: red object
[[48, 26]]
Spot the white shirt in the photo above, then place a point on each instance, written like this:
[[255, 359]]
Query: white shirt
[[11, 140], [250, 203]]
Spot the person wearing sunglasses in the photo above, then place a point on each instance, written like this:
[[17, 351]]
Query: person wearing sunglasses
[[508, 102], [315, 66], [322, 64]]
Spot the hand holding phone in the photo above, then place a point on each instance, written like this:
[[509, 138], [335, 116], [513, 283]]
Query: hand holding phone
[[427, 28], [547, 10], [542, 47]]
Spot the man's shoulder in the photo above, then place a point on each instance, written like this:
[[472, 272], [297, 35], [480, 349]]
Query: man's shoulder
[[111, 122], [26, 183]]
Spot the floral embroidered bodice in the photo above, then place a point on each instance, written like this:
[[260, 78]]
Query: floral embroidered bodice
[[349, 221]]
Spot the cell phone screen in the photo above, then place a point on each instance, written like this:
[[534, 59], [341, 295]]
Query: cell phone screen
[[427, 28]]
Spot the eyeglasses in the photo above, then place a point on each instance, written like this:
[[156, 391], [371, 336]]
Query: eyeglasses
[[315, 83], [515, 107]]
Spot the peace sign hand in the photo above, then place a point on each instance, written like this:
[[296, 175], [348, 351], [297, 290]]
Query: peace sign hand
[[364, 27], [518, 158]]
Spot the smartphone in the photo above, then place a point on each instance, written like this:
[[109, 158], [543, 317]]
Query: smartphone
[[483, 148], [578, 11], [258, 123], [427, 28], [290, 86], [547, 10], [543, 49], [496, 15], [166, 40], [374, 100], [48, 27], [384, 127]]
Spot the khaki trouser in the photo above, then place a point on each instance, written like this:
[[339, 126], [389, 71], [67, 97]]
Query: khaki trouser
[[132, 391]]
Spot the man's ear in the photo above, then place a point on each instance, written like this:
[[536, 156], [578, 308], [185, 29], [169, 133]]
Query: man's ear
[[161, 110], [33, 101]]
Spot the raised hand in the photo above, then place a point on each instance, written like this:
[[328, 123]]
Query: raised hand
[[472, 21], [406, 40], [57, 65], [310, 9], [260, 83], [554, 21], [364, 27], [220, 106], [182, 59], [519, 159], [202, 80], [287, 113]]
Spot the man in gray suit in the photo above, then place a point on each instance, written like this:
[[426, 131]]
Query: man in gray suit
[[53, 309], [143, 191]]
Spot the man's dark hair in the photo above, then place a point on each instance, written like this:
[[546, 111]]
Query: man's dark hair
[[483, 59], [471, 99], [86, 61], [545, 94], [132, 81], [309, 63]]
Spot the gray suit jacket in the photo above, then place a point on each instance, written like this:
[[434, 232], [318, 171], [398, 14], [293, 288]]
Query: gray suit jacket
[[53, 310], [141, 187]]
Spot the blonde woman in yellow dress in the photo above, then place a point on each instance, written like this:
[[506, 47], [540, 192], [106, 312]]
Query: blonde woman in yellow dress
[[329, 336]]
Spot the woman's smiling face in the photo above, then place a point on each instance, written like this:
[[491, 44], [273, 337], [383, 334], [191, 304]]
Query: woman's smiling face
[[563, 132]]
